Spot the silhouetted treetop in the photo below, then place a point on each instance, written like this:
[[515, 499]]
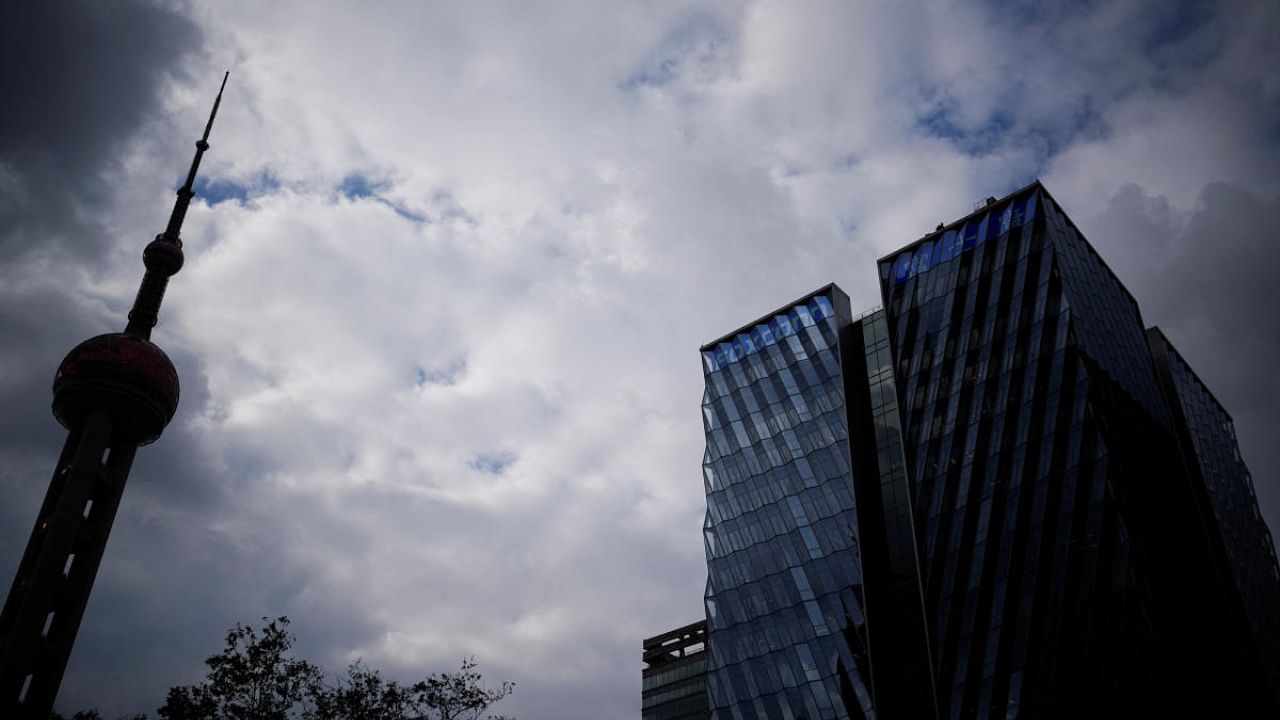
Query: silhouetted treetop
[[255, 677]]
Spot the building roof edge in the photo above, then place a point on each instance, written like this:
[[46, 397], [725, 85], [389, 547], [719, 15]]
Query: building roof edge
[[1034, 184], [804, 298]]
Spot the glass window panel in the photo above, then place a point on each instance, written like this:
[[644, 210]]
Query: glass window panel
[[902, 267]]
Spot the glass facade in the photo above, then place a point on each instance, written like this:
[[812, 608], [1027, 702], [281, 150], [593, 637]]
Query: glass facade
[[903, 684], [1007, 469], [784, 588], [1059, 572], [1000, 496]]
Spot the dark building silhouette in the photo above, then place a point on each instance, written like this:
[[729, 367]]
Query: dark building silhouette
[[1207, 439], [113, 393], [998, 496], [674, 681]]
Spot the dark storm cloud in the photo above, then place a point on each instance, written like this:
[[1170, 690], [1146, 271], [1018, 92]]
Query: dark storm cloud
[[1182, 193], [1207, 278], [34, 326], [1061, 66], [78, 80]]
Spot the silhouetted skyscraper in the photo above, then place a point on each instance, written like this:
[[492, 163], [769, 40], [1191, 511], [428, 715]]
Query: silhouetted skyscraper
[[113, 393], [1000, 496]]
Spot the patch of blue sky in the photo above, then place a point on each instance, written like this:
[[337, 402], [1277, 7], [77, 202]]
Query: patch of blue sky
[[215, 191], [447, 375], [219, 191], [941, 122], [356, 186], [404, 212], [360, 187], [657, 74], [1043, 136], [493, 463], [692, 43]]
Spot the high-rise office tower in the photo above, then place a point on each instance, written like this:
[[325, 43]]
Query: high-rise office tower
[[800, 415], [784, 594], [113, 393], [999, 496]]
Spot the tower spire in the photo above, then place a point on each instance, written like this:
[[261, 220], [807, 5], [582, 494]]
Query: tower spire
[[163, 257], [185, 193]]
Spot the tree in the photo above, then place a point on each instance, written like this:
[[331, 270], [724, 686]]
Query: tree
[[256, 678], [364, 695]]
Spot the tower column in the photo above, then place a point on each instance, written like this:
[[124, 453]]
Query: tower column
[[46, 602]]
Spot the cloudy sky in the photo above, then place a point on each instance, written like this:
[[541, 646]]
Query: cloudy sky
[[438, 328]]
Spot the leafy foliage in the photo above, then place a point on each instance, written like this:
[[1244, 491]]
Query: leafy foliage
[[256, 678], [364, 695]]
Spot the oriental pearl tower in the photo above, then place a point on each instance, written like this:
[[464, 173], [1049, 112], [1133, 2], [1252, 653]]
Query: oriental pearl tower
[[113, 393]]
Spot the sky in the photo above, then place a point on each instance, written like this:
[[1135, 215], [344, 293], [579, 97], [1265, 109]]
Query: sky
[[451, 264]]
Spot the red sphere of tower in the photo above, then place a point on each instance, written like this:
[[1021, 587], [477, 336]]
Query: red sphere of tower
[[123, 375]]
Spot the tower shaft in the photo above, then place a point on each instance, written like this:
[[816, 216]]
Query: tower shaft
[[47, 600]]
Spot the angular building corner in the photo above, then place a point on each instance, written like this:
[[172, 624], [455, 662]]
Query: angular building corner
[[999, 496]]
